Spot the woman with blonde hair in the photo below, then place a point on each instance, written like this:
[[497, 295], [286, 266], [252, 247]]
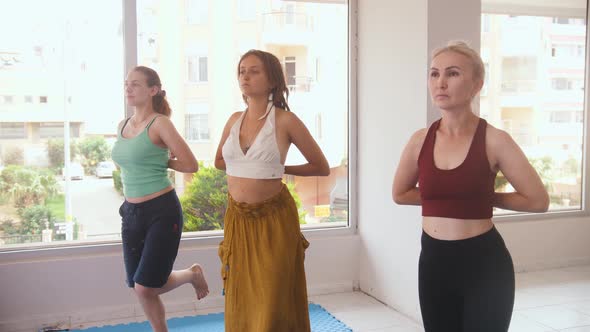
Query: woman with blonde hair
[[466, 275]]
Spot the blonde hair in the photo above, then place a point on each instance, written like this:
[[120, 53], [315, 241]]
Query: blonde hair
[[461, 47]]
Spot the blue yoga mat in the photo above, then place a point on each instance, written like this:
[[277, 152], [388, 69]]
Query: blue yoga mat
[[321, 321]]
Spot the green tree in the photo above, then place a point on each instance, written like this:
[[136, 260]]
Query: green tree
[[28, 186], [204, 200], [572, 167], [33, 220], [117, 181], [297, 199], [93, 150], [55, 151]]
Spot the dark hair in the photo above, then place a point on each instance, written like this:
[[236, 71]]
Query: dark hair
[[159, 100], [274, 74]]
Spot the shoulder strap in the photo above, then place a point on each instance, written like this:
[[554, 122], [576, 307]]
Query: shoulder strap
[[123, 126], [151, 122], [428, 145]]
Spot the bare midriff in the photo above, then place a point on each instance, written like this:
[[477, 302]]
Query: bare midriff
[[455, 229], [253, 190]]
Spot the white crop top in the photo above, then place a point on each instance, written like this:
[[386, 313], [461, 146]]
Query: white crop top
[[263, 158]]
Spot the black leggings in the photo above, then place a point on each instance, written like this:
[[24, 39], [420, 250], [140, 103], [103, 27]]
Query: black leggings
[[466, 285]]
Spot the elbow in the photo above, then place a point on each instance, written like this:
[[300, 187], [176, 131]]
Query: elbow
[[542, 204], [324, 170], [218, 164], [397, 197], [194, 168]]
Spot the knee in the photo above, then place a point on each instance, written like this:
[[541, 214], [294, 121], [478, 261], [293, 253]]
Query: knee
[[145, 292]]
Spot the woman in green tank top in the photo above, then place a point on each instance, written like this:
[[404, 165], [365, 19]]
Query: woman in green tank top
[[147, 145]]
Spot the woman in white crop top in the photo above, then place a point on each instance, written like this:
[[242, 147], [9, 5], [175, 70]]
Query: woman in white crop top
[[263, 248]]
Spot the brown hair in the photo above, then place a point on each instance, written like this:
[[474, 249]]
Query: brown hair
[[159, 101], [275, 76], [462, 48]]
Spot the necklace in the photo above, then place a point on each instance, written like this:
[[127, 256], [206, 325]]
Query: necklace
[[260, 123], [253, 137]]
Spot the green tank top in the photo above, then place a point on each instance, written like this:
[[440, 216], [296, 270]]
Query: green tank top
[[144, 165]]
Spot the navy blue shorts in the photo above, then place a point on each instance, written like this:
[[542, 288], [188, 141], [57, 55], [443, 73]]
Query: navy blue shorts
[[151, 233]]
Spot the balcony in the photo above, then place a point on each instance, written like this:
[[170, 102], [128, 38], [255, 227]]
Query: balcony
[[299, 83], [286, 28]]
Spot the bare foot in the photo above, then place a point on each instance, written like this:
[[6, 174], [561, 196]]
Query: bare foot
[[199, 282]]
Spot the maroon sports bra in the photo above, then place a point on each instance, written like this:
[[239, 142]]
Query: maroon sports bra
[[464, 192]]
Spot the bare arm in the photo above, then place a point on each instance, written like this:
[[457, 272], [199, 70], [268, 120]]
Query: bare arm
[[530, 195], [317, 165], [184, 161], [219, 161], [404, 190]]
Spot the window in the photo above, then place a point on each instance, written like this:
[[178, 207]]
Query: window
[[541, 100], [561, 83], [185, 45], [7, 100], [290, 71], [51, 130], [56, 130], [197, 122], [68, 49], [567, 50], [197, 69], [12, 130], [561, 116]]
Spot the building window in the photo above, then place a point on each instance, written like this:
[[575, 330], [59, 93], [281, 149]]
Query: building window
[[290, 71], [12, 130], [43, 99], [29, 99], [541, 100], [56, 130], [196, 122], [197, 69], [7, 99]]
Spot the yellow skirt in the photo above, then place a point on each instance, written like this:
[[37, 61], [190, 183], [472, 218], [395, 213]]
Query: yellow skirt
[[262, 266]]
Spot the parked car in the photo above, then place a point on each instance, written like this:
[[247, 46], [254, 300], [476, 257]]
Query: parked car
[[104, 169], [76, 171]]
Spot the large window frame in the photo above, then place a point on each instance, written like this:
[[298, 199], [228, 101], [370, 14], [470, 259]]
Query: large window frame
[[209, 238], [514, 9]]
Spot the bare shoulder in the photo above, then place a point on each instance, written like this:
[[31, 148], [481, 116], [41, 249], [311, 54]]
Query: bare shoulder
[[121, 123], [232, 119], [497, 138], [418, 137], [163, 122], [285, 116]]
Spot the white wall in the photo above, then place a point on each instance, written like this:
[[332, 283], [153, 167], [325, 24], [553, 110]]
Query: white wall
[[391, 106], [80, 286], [395, 40]]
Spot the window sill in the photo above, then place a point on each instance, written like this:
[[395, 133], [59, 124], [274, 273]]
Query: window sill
[[84, 248]]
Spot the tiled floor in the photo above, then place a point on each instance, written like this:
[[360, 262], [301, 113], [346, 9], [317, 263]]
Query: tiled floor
[[551, 300]]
